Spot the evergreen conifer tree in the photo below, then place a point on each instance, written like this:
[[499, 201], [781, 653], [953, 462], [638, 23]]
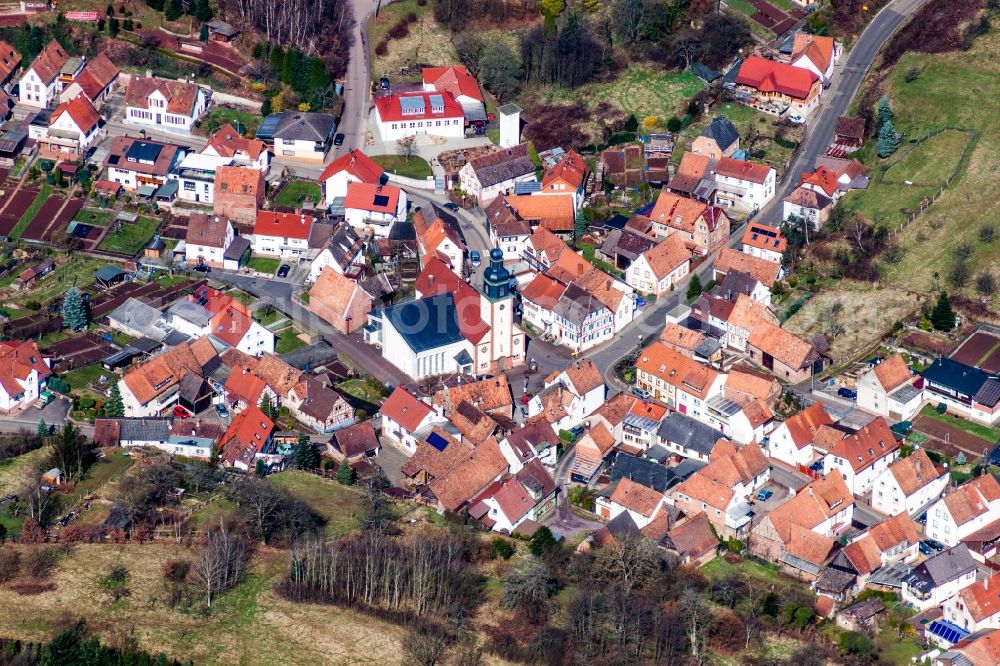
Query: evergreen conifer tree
[[74, 311], [942, 316], [694, 287], [345, 474], [887, 142], [884, 112], [115, 407], [43, 428], [173, 10], [304, 453], [203, 35]]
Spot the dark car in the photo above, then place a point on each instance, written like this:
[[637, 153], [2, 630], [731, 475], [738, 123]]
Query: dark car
[[845, 392], [923, 518], [640, 393], [764, 495], [577, 432], [924, 548], [453, 207], [202, 268], [338, 140], [935, 545], [221, 410], [283, 270]]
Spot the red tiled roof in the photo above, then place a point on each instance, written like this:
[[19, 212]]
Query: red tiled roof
[[227, 142], [571, 170], [817, 48], [769, 76], [543, 291], [765, 237], [98, 73], [48, 63], [286, 225], [437, 278], [239, 180], [403, 408], [17, 360], [372, 197], [822, 178], [243, 385], [389, 108], [803, 426], [10, 59], [249, 430], [742, 170], [181, 96], [455, 79], [357, 164], [80, 110]]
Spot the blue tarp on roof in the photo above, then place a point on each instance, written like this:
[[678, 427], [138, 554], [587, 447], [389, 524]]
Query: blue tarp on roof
[[947, 631]]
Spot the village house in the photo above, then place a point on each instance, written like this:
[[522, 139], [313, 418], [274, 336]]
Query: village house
[[796, 89], [10, 62], [974, 608], [799, 533], [318, 406], [981, 648], [374, 208], [403, 416], [816, 53], [623, 246], [71, 129], [554, 211], [692, 540], [864, 616], [887, 389], [345, 303], [764, 242], [282, 234], [39, 85], [742, 185], [354, 442], [543, 250], [786, 355], [684, 437], [792, 441], [581, 320], [150, 389], [220, 31], [695, 345], [402, 115], [737, 321], [568, 175], [207, 241], [658, 269], [849, 133], [807, 205], [681, 383], [704, 229], [762, 270], [971, 506], [939, 577], [496, 173], [195, 178], [617, 296], [238, 192], [536, 439], [244, 151], [508, 230], [210, 312], [591, 448], [343, 253], [248, 439], [439, 240], [967, 391], [583, 382], [510, 503], [352, 167], [299, 135], [138, 163], [463, 87], [641, 503], [166, 105], [886, 544], [24, 373], [96, 81], [469, 477], [27, 278], [538, 301], [719, 139], [908, 485], [737, 282]]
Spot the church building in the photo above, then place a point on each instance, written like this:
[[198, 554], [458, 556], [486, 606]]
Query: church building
[[450, 327]]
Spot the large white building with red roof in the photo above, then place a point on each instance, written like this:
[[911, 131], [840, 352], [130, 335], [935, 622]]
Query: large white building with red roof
[[352, 167], [40, 86], [461, 84], [23, 373], [743, 185], [71, 129], [775, 84], [210, 312], [227, 142], [403, 415], [374, 208], [407, 114], [282, 234]]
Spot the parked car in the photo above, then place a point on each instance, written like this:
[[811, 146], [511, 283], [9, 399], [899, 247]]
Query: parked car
[[903, 428], [923, 518], [453, 207], [936, 545], [577, 432], [845, 392], [202, 268], [221, 410], [796, 118], [640, 393], [764, 494], [181, 413], [283, 270], [338, 140], [475, 258], [924, 548], [44, 398]]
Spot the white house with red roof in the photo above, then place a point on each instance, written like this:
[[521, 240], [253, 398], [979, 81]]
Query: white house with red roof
[[775, 85], [792, 441], [374, 207], [862, 455], [71, 129], [164, 104], [743, 185], [403, 415], [209, 312], [249, 438], [39, 86], [282, 234], [208, 237], [569, 175], [354, 167], [530, 494], [764, 242], [23, 374], [227, 142], [407, 114], [461, 84], [816, 53]]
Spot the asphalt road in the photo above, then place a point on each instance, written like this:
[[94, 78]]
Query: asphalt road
[[837, 99], [357, 83]]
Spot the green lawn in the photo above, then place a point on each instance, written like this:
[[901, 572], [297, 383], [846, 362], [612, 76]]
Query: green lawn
[[104, 470], [742, 6], [304, 297], [264, 264], [81, 377], [987, 434], [293, 194], [338, 504], [210, 514], [22, 224], [130, 238], [719, 568], [930, 161], [370, 390], [242, 296], [287, 341], [743, 118], [78, 271], [244, 123], [947, 92], [269, 318], [414, 167], [97, 218]]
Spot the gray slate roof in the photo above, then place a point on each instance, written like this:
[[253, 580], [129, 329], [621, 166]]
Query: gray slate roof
[[942, 568], [576, 304], [135, 314], [506, 164], [626, 243], [644, 472], [723, 131], [192, 312], [304, 126], [145, 430], [688, 433]]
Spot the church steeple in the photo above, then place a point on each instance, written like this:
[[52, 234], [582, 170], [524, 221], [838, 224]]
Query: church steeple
[[496, 278]]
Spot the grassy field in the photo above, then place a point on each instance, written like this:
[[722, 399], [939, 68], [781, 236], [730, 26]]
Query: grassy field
[[867, 314], [249, 625], [79, 378], [264, 264], [370, 390], [427, 42], [97, 218], [243, 122], [210, 514], [36, 205], [930, 161], [131, 237], [949, 91], [14, 471], [338, 504], [78, 270], [288, 340], [269, 318], [293, 194], [104, 471], [414, 167]]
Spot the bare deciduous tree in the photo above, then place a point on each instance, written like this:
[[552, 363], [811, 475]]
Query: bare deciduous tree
[[406, 147], [425, 644], [697, 616], [221, 564], [630, 561]]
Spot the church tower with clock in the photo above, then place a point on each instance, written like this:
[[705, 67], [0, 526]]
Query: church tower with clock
[[504, 344]]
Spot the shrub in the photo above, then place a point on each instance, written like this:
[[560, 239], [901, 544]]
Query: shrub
[[10, 564], [86, 403], [566, 436], [411, 17], [502, 548], [912, 74], [400, 30], [380, 50], [39, 562], [674, 124], [176, 571], [33, 305]]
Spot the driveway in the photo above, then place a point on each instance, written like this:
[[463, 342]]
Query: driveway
[[426, 146], [391, 458], [564, 522]]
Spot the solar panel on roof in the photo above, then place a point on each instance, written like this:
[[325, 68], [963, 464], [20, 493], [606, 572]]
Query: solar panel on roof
[[948, 631], [437, 441], [141, 151], [381, 200], [437, 103], [412, 105]]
